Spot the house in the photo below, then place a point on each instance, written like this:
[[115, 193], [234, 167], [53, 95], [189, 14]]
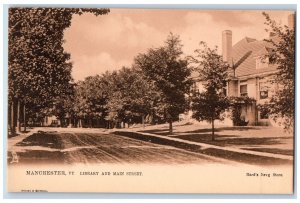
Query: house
[[51, 121], [251, 74]]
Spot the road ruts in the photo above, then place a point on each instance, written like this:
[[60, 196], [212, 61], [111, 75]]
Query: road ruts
[[93, 148]]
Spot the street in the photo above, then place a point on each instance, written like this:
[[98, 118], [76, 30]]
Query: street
[[71, 146]]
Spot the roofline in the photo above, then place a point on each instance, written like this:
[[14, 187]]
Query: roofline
[[263, 74], [257, 75]]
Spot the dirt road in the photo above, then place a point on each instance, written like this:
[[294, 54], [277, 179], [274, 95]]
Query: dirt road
[[73, 147]]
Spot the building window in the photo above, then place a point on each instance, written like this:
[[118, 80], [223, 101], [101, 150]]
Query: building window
[[243, 90], [224, 91], [263, 90], [194, 88]]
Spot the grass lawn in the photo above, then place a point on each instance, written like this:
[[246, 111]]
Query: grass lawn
[[257, 138]]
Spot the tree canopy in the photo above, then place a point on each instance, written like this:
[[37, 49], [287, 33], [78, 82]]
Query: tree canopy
[[282, 103], [169, 72], [212, 102], [39, 68]]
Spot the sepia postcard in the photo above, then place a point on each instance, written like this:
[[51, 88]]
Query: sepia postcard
[[126, 100]]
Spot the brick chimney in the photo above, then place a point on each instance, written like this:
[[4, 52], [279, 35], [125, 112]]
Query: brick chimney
[[291, 21], [227, 46]]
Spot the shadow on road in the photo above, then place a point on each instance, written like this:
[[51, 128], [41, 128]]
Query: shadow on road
[[42, 139]]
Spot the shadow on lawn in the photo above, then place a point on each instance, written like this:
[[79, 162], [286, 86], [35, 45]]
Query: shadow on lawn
[[233, 140], [157, 131], [51, 140], [230, 155], [205, 130], [220, 129]]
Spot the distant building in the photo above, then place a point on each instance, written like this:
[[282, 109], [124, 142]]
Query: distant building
[[251, 74], [51, 121]]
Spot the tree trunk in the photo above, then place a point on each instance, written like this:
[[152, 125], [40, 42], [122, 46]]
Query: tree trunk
[[19, 117], [12, 121], [79, 123], [44, 122], [97, 122], [213, 129], [91, 123], [143, 120], [24, 116], [63, 122], [170, 127]]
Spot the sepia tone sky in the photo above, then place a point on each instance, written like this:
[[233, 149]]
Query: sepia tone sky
[[109, 42]]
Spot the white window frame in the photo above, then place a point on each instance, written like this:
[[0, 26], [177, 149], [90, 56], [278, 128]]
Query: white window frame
[[243, 83]]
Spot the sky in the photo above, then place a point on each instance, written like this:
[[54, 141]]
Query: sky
[[108, 42]]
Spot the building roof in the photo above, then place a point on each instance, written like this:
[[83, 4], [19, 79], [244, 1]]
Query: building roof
[[244, 54]]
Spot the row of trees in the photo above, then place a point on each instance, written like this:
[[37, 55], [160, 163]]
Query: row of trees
[[155, 89], [39, 68]]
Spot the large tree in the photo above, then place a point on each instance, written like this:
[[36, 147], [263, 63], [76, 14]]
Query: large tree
[[210, 104], [132, 97], [39, 70], [282, 104], [169, 72], [118, 96], [90, 100]]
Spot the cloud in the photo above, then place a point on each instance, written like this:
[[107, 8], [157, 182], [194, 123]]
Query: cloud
[[114, 33], [208, 27], [108, 42], [86, 65], [200, 27]]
